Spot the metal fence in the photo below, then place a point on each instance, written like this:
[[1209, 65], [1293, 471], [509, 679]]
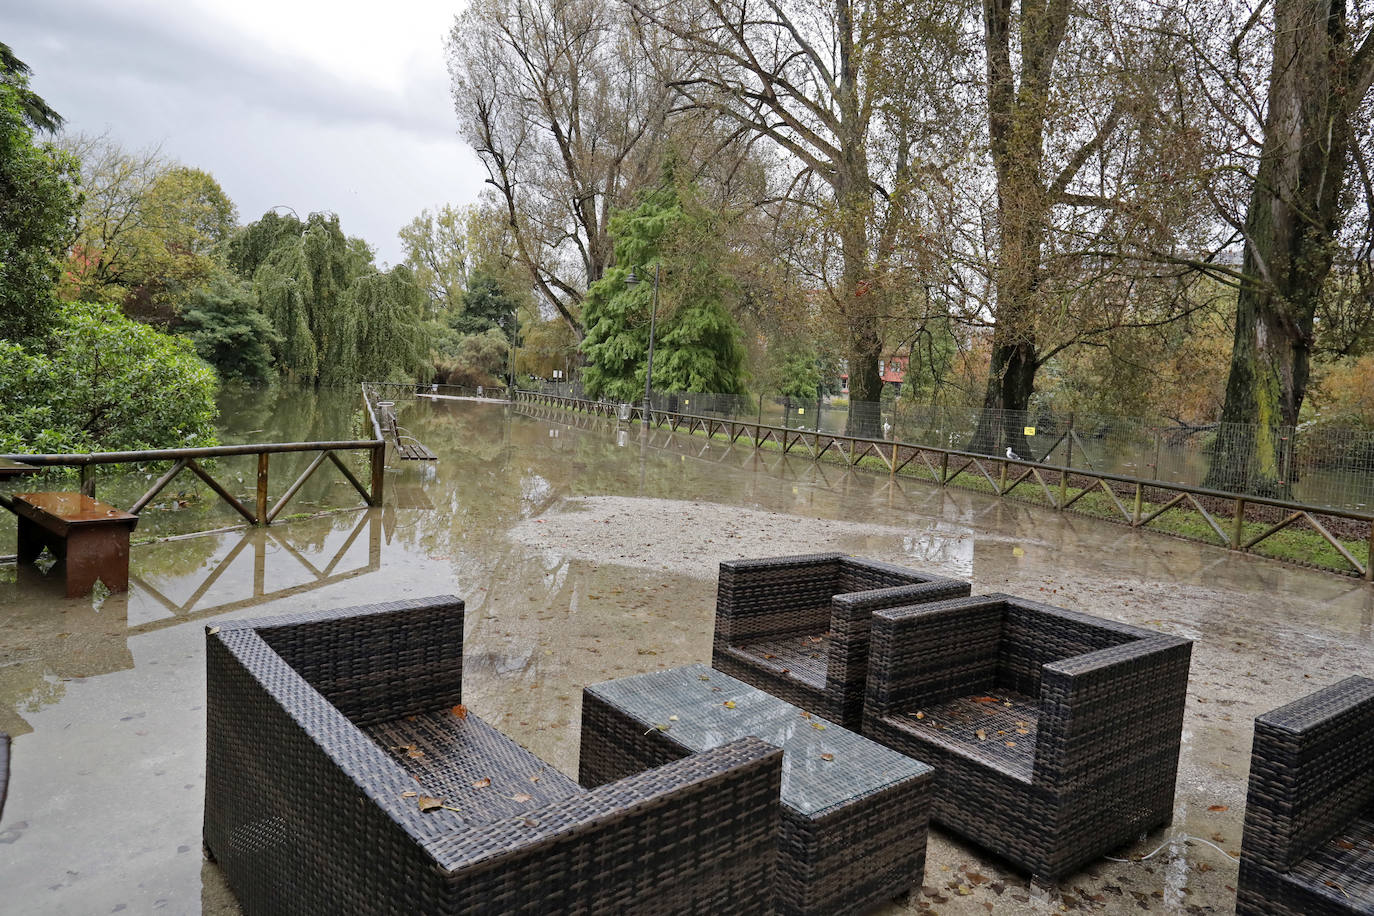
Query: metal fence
[[1316, 465]]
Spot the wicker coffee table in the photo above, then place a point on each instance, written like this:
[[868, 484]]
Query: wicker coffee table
[[854, 813]]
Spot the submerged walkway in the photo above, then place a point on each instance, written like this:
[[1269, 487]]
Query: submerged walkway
[[459, 397], [583, 556]]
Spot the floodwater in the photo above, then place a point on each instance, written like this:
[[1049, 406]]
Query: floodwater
[[586, 553]]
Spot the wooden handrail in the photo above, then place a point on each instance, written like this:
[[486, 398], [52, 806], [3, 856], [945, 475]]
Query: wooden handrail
[[860, 446], [186, 459], [174, 454]]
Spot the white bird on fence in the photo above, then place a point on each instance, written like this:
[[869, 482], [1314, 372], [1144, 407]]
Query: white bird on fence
[[1013, 456]]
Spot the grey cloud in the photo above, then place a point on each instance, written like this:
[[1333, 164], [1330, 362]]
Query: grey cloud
[[148, 54]]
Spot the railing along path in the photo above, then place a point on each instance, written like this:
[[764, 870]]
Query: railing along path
[[1003, 475], [189, 459]]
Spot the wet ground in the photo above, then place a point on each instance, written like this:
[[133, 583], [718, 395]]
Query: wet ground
[[587, 554]]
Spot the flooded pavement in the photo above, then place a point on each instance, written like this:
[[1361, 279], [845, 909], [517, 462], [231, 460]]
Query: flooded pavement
[[587, 554]]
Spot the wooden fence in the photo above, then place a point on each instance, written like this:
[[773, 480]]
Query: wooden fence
[[189, 459], [1062, 487]]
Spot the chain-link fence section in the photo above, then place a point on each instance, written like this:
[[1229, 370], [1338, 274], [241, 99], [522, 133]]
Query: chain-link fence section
[[1320, 465]]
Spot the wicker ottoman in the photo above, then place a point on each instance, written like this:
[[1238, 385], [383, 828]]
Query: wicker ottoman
[[854, 813]]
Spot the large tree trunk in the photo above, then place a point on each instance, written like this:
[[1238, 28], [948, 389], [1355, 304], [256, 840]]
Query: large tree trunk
[[1011, 381], [1016, 132], [865, 383], [862, 324], [1290, 235], [854, 194], [1015, 356]]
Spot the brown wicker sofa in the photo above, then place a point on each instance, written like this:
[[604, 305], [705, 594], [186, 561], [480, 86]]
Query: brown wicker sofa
[[797, 627], [1308, 847], [1054, 735], [329, 732]]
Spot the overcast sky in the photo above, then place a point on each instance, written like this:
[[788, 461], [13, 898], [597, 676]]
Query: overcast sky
[[314, 105]]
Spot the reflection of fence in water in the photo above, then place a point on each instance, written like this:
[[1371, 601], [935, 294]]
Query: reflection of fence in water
[[318, 576]]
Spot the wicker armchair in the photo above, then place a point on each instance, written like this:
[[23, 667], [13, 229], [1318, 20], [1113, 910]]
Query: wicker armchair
[[1308, 847], [1054, 735], [797, 627], [332, 738]]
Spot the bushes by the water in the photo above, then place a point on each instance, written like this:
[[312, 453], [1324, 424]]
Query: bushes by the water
[[102, 382]]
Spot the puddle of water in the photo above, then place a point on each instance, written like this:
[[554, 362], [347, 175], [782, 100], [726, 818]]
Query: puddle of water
[[585, 555]]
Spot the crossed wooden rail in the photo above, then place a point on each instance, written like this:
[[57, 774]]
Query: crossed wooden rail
[[1003, 475], [188, 459]]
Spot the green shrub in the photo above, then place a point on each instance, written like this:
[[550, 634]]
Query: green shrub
[[103, 382]]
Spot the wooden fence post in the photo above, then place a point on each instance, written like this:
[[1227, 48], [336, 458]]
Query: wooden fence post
[[1369, 561], [88, 480], [1238, 525], [262, 487], [378, 473]]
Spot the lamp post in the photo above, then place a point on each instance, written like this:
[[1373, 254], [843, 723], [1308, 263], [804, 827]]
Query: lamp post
[[633, 280]]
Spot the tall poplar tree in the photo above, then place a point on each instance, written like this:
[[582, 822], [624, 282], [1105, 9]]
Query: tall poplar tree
[[1320, 80]]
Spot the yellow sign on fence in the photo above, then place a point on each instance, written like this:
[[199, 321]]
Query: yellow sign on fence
[[1029, 430]]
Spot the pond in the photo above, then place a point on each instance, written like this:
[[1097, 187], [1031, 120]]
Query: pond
[[586, 552]]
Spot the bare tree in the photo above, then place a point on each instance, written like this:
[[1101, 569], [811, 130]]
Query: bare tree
[[848, 94], [1088, 125], [569, 123]]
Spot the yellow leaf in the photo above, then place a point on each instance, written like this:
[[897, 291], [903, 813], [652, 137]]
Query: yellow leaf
[[982, 735], [920, 715], [729, 704], [481, 783], [415, 753], [672, 718], [429, 803], [1011, 743], [460, 711], [818, 726], [827, 756], [521, 797], [409, 794]]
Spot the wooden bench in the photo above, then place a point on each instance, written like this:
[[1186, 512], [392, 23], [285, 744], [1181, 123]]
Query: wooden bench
[[91, 536], [408, 448]]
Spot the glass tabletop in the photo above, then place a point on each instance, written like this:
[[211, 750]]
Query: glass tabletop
[[824, 764]]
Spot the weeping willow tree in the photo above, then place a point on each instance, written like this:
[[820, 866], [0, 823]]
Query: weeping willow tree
[[338, 319], [390, 308], [697, 342]]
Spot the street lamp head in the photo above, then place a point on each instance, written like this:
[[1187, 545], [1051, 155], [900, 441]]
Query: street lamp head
[[632, 279]]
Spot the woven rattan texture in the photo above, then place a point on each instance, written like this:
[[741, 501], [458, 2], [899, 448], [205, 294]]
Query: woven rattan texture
[[471, 766], [1308, 845], [308, 815], [1099, 760], [768, 606], [997, 731], [4, 768], [865, 842]]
